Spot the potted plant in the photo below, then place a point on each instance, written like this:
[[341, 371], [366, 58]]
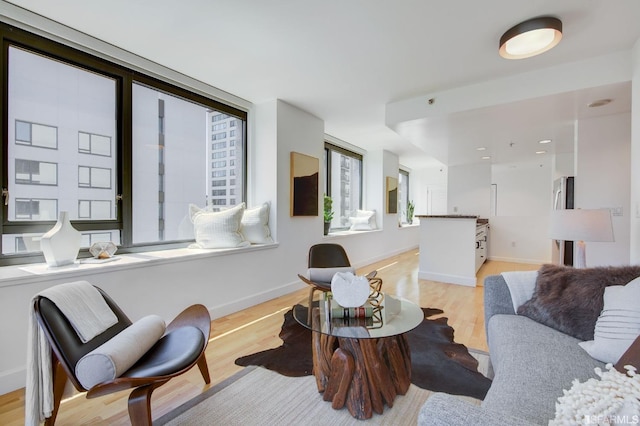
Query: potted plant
[[328, 213], [410, 208]]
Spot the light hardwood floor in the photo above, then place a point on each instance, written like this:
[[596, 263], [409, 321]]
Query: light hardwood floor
[[257, 328]]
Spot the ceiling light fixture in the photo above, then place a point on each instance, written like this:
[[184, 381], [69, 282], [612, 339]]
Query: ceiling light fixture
[[543, 141], [482, 148], [599, 103], [541, 152], [530, 38], [486, 157]]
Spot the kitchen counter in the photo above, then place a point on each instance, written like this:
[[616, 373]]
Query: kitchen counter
[[452, 248]]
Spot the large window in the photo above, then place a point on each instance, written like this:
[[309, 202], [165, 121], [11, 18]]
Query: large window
[[343, 171], [122, 152]]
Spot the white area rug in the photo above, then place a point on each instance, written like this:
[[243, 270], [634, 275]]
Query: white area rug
[[257, 396]]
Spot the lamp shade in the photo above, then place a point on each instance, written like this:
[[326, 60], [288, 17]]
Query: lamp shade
[[581, 225], [530, 38]]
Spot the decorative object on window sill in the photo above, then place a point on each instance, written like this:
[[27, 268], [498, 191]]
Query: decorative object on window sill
[[61, 244], [103, 249], [328, 213]]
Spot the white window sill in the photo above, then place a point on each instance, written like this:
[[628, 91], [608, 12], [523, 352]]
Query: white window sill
[[346, 233], [17, 274]]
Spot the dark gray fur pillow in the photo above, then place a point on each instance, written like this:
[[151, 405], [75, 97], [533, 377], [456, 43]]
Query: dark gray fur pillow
[[570, 300]]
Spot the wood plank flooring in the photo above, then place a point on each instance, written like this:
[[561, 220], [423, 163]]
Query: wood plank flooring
[[257, 329]]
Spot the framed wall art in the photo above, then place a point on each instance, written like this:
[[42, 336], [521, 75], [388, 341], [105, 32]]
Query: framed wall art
[[392, 195], [305, 172]]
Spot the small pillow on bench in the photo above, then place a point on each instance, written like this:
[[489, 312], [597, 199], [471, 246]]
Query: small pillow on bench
[[118, 354], [364, 220]]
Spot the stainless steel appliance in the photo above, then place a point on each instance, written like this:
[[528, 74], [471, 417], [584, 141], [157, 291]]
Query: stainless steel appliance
[[563, 190]]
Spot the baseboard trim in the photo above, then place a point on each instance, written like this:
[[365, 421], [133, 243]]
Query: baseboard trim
[[518, 260], [12, 380], [254, 299], [447, 278]]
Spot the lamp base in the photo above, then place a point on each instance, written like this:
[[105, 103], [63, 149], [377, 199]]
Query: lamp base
[[580, 260]]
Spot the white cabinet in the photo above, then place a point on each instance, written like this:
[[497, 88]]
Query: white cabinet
[[452, 248], [482, 235]]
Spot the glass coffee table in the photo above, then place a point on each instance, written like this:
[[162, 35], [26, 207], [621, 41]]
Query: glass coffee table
[[361, 362]]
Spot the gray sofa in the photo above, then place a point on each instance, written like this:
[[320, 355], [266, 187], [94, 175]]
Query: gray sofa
[[531, 365]]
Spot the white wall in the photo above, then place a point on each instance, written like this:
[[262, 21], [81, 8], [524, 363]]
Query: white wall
[[603, 181], [429, 190], [635, 159], [469, 189], [519, 231]]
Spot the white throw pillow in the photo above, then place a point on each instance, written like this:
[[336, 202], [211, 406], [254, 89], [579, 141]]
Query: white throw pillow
[[218, 229], [618, 325], [255, 225], [120, 353], [364, 220]]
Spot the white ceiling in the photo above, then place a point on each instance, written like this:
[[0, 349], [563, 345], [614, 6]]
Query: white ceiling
[[345, 60]]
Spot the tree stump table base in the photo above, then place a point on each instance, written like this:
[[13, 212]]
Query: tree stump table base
[[362, 373]]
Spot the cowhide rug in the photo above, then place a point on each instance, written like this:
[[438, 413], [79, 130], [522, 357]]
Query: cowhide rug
[[437, 363]]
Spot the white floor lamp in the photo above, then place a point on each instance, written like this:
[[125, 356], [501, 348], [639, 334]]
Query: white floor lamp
[[581, 225]]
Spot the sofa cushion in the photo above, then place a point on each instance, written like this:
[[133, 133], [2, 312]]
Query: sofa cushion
[[532, 365], [570, 299]]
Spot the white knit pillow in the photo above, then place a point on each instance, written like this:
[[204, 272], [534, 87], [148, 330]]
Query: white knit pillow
[[120, 353], [255, 225], [218, 229], [618, 325]]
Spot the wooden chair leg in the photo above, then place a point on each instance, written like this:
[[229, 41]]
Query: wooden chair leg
[[140, 404], [59, 382], [204, 368]]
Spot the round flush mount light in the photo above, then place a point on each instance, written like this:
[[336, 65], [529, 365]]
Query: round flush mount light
[[599, 103], [530, 38]]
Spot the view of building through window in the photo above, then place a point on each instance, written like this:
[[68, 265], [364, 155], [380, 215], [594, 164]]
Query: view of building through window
[[63, 154], [403, 195], [344, 184]]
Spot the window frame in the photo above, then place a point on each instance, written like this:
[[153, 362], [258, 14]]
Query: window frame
[[124, 78], [328, 148], [403, 215]]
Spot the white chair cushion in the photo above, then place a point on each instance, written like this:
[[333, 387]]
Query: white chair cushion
[[618, 325], [120, 353], [325, 275], [255, 225], [218, 229]]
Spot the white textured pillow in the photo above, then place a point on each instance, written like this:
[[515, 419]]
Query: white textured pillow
[[118, 354], [218, 229], [255, 225], [364, 220], [618, 325]]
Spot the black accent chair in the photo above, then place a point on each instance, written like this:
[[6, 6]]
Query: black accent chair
[[331, 255], [180, 348]]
